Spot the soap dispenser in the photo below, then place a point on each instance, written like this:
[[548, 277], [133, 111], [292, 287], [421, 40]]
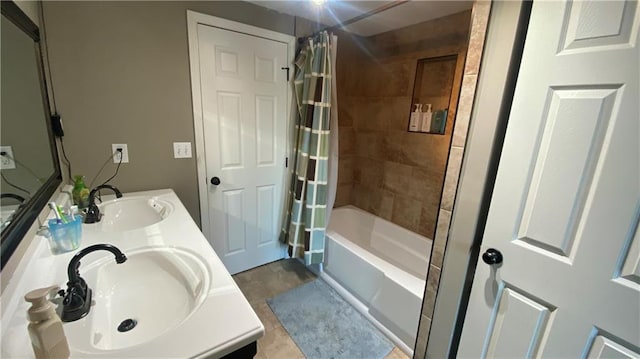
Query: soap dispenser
[[426, 119], [80, 192], [414, 121], [45, 327]]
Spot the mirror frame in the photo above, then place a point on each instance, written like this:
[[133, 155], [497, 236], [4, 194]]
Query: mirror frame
[[27, 214]]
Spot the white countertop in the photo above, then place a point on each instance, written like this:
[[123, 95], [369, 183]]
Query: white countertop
[[223, 323]]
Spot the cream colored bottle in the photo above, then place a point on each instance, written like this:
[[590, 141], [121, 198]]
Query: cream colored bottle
[[414, 120], [45, 327], [425, 120]]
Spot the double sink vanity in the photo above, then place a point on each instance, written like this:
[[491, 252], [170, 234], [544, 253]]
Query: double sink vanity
[[172, 297]]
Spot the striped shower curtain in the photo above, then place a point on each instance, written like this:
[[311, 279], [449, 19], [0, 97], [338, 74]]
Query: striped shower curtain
[[306, 218]]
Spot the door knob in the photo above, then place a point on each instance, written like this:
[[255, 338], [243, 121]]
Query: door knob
[[215, 181], [492, 256]]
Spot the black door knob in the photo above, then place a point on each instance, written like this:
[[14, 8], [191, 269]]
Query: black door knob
[[215, 181], [492, 256]]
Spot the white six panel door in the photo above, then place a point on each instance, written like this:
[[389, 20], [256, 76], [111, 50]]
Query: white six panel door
[[566, 204], [244, 98]]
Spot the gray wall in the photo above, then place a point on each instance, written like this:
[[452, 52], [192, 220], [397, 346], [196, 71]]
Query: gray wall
[[120, 71], [31, 9]]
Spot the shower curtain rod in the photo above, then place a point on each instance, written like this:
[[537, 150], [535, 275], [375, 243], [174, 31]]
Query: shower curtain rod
[[377, 10]]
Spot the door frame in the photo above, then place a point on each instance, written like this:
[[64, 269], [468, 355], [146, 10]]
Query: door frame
[[193, 20], [504, 43]]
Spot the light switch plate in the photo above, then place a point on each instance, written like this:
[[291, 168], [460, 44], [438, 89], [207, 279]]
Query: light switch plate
[[125, 152], [7, 163], [182, 150]]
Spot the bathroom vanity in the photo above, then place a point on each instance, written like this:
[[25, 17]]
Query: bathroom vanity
[[173, 286]]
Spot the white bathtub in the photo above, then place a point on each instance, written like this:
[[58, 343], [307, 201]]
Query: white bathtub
[[380, 268]]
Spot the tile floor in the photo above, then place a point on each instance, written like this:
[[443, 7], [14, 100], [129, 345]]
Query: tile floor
[[267, 281]]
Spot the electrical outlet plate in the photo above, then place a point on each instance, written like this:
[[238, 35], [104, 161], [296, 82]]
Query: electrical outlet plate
[[182, 150], [116, 156], [7, 163]]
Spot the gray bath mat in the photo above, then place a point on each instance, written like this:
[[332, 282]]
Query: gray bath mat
[[325, 326]]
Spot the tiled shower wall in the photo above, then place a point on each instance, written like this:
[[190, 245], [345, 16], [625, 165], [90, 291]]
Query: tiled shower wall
[[479, 20], [384, 169]]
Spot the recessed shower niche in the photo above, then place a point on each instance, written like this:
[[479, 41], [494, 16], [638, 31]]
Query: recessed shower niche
[[431, 98]]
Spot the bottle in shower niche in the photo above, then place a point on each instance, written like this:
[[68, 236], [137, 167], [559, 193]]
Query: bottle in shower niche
[[439, 122], [415, 120], [425, 120]]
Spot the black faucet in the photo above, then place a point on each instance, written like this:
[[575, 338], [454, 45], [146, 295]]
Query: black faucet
[[93, 212], [77, 299]]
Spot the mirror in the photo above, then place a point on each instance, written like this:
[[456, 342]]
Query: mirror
[[432, 94], [29, 167]]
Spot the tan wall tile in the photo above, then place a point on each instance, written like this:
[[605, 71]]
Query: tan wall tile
[[397, 177], [428, 217], [406, 212], [345, 117], [430, 153], [451, 179], [382, 204], [369, 144], [431, 288], [393, 146], [360, 197], [443, 32], [426, 184], [480, 18], [442, 231], [467, 93], [423, 334], [368, 172], [345, 170], [399, 109], [390, 79], [372, 114], [346, 141], [343, 195]]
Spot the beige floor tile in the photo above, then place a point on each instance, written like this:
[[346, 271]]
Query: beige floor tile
[[281, 265], [256, 292], [277, 344], [268, 319], [242, 279], [396, 353], [256, 274]]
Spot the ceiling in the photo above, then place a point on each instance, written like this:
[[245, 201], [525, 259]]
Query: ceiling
[[333, 12]]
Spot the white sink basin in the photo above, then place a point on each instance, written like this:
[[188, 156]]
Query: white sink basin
[[159, 288], [125, 214]]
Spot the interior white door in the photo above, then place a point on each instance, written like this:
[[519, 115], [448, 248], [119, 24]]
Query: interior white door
[[244, 114], [565, 208]]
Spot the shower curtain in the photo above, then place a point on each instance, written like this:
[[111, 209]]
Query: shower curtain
[[307, 207]]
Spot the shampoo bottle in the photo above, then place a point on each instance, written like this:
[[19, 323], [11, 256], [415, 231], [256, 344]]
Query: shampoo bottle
[[45, 328], [439, 121], [414, 122], [425, 123]]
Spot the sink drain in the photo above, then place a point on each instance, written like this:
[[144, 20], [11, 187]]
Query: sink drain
[[127, 325]]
